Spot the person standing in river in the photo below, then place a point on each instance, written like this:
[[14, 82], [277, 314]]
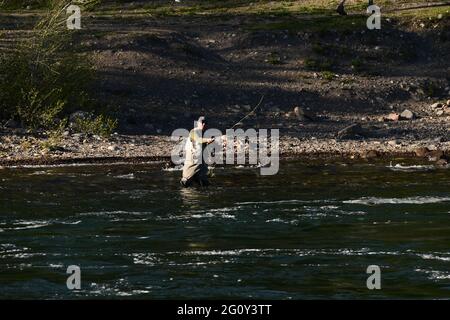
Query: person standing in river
[[195, 169], [341, 7]]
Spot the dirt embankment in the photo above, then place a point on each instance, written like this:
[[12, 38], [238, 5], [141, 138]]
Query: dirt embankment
[[160, 72]]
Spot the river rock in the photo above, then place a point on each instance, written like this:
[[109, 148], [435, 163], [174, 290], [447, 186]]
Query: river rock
[[421, 152], [442, 163], [112, 148], [435, 155], [299, 113], [436, 105], [392, 117], [393, 142], [303, 115], [407, 115], [79, 137]]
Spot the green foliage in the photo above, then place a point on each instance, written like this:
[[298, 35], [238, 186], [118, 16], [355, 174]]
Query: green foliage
[[327, 75], [54, 137], [101, 125], [274, 58], [39, 110], [45, 4], [44, 78], [21, 4]]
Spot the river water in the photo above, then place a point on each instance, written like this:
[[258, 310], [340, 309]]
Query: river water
[[308, 232]]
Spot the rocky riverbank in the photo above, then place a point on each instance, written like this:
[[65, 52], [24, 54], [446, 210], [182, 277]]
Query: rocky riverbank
[[406, 135], [19, 150]]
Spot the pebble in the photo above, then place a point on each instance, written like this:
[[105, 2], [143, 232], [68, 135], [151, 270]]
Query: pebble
[[436, 105], [393, 117], [407, 115], [393, 142]]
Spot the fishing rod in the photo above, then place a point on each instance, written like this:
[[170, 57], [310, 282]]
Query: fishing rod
[[248, 114]]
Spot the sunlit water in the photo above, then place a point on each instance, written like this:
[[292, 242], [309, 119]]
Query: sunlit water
[[310, 231]]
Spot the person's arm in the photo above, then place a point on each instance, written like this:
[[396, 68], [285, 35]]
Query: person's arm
[[197, 138]]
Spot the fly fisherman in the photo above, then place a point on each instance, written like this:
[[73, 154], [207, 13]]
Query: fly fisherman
[[195, 169]]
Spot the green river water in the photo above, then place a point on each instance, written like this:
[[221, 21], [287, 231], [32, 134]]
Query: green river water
[[308, 232]]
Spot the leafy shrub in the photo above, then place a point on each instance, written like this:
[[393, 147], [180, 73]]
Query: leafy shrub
[[101, 125], [328, 75], [44, 4], [274, 58], [43, 78]]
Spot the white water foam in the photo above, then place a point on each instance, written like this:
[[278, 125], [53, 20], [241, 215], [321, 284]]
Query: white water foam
[[223, 213], [176, 168], [435, 274], [30, 225], [125, 176], [412, 168], [145, 258], [408, 200], [35, 224], [292, 252], [114, 213], [81, 164], [284, 201], [433, 257], [278, 220]]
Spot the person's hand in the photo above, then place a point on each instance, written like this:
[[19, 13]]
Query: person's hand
[[224, 140]]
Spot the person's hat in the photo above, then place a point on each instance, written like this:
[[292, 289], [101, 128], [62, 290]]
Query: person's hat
[[202, 119]]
